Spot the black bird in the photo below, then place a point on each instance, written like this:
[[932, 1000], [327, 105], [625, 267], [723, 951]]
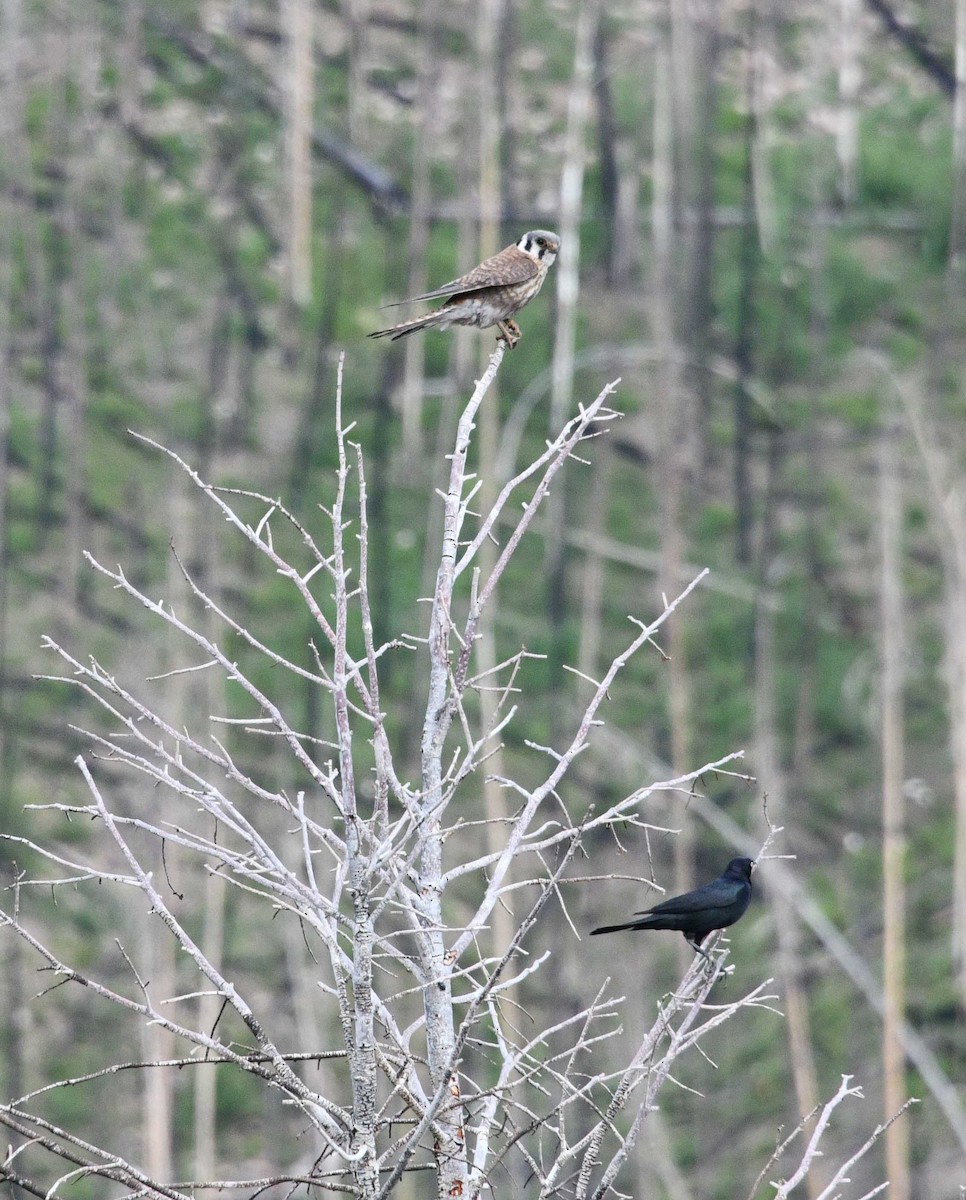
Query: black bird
[[696, 914]]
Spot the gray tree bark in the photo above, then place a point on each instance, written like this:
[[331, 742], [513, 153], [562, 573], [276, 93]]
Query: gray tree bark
[[957, 220], [426, 133], [301, 91], [893, 809], [676, 420]]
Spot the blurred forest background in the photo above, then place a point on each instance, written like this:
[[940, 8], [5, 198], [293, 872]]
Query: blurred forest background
[[763, 213]]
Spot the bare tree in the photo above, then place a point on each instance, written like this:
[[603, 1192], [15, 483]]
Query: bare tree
[[437, 1075], [785, 1187]]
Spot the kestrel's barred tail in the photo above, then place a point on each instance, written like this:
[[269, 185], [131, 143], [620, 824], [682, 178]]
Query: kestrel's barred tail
[[491, 293], [407, 327]]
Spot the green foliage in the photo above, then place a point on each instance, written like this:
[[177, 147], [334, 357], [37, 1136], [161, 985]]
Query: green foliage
[[176, 235], [861, 410], [854, 295], [240, 1096], [904, 148]]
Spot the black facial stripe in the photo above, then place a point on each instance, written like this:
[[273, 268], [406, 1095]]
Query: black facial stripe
[[529, 244]]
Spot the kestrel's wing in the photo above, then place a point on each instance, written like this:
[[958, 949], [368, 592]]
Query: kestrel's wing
[[509, 266]]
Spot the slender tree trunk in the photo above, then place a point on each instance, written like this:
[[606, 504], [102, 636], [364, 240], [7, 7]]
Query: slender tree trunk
[[571, 200], [744, 340], [298, 28], [947, 491], [607, 148], [956, 656], [203, 701], [656, 1146], [893, 814], [132, 47], [413, 379], [764, 54], [17, 1030], [199, 532], [773, 782], [675, 425], [75, 414], [567, 275], [847, 131], [157, 1095], [695, 47], [511, 106], [51, 339], [489, 22], [209, 1008], [78, 143], [6, 320], [957, 223]]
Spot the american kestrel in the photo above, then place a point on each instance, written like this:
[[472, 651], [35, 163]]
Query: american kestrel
[[491, 293]]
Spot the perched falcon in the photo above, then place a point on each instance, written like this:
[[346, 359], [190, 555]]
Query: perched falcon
[[491, 293]]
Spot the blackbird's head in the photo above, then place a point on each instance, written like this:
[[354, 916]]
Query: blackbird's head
[[740, 868]]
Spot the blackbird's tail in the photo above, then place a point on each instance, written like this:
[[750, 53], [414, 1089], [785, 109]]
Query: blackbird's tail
[[618, 928]]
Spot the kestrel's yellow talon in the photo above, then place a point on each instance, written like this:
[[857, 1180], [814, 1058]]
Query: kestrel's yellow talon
[[491, 293], [510, 333]]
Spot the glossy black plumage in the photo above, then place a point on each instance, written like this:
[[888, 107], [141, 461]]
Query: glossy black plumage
[[696, 914]]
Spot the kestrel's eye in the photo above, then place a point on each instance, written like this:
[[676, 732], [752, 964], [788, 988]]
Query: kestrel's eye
[[541, 241]]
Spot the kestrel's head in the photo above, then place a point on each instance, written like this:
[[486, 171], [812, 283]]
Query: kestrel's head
[[541, 245]]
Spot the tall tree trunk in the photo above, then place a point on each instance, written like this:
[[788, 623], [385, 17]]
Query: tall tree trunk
[[947, 490], [567, 274], [957, 221], [511, 104], [763, 67], [695, 47], [847, 130], [157, 1107], [132, 47], [893, 814], [413, 380], [6, 322], [675, 424], [744, 339], [773, 782], [78, 143], [75, 412], [16, 1030], [298, 29], [490, 16], [52, 346], [607, 148], [209, 1008], [200, 533], [956, 669]]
